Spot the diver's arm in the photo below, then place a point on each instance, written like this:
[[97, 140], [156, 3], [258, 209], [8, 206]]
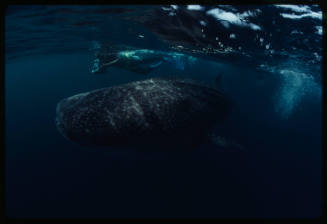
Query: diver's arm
[[110, 63]]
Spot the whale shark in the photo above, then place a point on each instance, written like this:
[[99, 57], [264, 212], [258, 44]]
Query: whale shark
[[158, 112]]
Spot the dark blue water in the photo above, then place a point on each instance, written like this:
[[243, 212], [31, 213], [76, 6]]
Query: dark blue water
[[276, 116]]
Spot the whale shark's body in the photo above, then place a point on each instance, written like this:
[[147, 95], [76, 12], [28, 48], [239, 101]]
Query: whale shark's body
[[153, 112]]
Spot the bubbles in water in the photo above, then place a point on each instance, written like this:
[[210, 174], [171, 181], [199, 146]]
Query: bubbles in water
[[294, 87]]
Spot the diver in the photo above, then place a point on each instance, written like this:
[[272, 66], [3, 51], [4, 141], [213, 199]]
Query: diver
[[141, 61]]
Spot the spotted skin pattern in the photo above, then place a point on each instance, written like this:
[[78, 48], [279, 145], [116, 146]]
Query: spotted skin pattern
[[150, 112]]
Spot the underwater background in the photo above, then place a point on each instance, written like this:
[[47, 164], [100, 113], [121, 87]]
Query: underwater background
[[268, 60]]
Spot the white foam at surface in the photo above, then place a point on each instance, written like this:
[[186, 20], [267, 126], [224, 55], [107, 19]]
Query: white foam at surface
[[225, 23], [174, 6], [166, 9], [223, 15], [233, 18], [317, 56], [319, 30], [299, 12], [249, 13], [195, 7], [295, 8], [203, 23], [254, 27], [314, 15], [296, 32]]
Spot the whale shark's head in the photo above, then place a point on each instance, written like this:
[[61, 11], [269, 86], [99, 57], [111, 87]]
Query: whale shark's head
[[64, 109]]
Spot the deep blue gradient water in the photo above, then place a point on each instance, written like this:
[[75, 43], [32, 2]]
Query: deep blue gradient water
[[273, 79]]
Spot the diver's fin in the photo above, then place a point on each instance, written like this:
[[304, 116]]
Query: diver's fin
[[97, 67]]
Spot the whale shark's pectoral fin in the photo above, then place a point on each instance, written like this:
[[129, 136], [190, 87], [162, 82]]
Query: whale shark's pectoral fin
[[224, 144]]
